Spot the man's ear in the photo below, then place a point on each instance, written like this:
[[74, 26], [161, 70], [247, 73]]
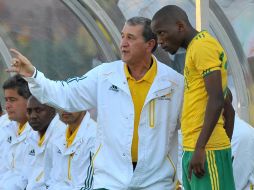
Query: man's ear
[[151, 44], [180, 25]]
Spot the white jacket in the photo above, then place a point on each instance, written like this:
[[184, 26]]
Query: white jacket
[[12, 148], [106, 88], [34, 158], [4, 120], [71, 168], [243, 151]]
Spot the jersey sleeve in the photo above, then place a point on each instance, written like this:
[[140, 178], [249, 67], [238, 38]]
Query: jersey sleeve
[[207, 57]]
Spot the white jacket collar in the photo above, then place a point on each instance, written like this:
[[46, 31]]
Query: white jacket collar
[[35, 137], [11, 130], [81, 136], [162, 83]]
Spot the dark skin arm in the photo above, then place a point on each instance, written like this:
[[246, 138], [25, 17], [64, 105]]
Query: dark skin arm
[[229, 116], [213, 85]]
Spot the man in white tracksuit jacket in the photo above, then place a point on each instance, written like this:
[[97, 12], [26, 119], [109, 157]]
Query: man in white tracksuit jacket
[[68, 163], [108, 89], [16, 93], [46, 127], [11, 169]]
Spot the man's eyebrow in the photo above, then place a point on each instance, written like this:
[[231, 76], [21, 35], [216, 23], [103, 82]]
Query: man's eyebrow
[[128, 34]]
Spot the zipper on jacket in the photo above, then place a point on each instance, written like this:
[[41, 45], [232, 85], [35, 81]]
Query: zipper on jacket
[[69, 166], [94, 156], [173, 165], [152, 113], [39, 176]]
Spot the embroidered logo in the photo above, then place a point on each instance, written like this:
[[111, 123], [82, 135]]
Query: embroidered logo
[[114, 88], [59, 151], [9, 139], [32, 152]]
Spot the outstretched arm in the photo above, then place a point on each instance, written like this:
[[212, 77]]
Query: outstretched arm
[[76, 94], [213, 85]]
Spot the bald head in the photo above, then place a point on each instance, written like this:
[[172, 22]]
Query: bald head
[[171, 14]]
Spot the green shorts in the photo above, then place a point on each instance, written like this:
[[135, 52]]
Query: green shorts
[[218, 171]]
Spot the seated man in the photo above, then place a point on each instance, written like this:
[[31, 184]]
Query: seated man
[[16, 93], [46, 126], [69, 158]]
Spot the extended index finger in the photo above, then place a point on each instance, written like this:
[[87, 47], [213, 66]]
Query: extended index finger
[[15, 52]]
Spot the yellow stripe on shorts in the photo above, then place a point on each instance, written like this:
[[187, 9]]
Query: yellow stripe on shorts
[[213, 172]]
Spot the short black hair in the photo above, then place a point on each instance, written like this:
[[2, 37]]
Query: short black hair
[[18, 83], [172, 13], [147, 32]]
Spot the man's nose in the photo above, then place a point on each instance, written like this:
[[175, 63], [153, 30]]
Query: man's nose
[[159, 41], [123, 42], [8, 105], [33, 114]]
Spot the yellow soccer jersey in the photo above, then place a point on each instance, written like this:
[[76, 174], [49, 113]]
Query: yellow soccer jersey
[[203, 56]]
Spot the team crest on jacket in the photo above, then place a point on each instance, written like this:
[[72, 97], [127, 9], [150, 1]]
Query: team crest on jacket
[[114, 88]]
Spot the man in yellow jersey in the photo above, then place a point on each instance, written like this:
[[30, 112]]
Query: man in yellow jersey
[[138, 101], [207, 163], [46, 125], [69, 157], [16, 93]]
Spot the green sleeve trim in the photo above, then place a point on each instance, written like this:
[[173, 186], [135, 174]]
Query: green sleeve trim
[[210, 70]]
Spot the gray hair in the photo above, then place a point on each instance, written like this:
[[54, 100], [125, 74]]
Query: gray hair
[[147, 32]]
